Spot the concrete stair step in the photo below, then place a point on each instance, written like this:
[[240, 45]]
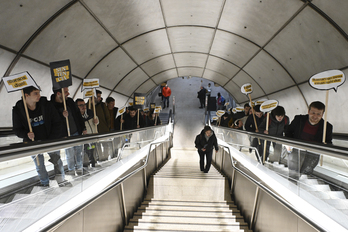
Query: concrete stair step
[[172, 202], [205, 214], [341, 204], [187, 211], [158, 226], [192, 220], [310, 188], [186, 207]]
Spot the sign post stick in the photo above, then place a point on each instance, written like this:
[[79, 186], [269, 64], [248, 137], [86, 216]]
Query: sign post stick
[[138, 117], [67, 120], [26, 112], [121, 122], [264, 147], [94, 112], [156, 120], [325, 123], [252, 108]]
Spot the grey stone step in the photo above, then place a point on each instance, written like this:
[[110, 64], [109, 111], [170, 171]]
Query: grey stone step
[[187, 207], [208, 203], [187, 211], [187, 219], [158, 226], [340, 204], [205, 214]]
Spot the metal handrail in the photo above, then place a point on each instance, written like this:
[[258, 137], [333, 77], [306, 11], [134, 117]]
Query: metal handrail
[[32, 148], [327, 149], [110, 187], [270, 192]]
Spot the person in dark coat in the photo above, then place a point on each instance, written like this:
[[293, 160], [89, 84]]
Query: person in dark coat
[[205, 143], [309, 128], [225, 120], [250, 126], [110, 103], [277, 125], [201, 96], [151, 117], [130, 121], [45, 123], [76, 127]]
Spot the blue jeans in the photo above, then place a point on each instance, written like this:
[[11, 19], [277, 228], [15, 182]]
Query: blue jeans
[[166, 99], [74, 157], [39, 162]]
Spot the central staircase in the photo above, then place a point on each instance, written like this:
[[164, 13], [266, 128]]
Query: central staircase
[[180, 197]]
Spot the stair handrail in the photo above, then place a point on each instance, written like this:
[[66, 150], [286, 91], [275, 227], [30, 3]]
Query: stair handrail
[[327, 149], [269, 191], [110, 187], [20, 150]]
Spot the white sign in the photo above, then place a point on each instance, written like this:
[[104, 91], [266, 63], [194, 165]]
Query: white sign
[[90, 84], [130, 103], [146, 109], [121, 111], [247, 88], [157, 111], [259, 102], [219, 113], [158, 107], [19, 81], [239, 109], [227, 103], [330, 79], [89, 93], [234, 110], [268, 106], [215, 118]]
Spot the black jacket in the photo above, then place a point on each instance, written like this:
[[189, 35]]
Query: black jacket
[[79, 121], [275, 128], [151, 122], [201, 93], [131, 123], [52, 120], [201, 142], [296, 127], [250, 124]]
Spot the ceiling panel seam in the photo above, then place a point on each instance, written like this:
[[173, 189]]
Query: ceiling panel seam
[[118, 43], [262, 48], [33, 36], [330, 20], [169, 42], [214, 34]]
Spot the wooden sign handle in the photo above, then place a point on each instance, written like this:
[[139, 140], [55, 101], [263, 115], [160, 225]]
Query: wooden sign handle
[[325, 123], [66, 119], [265, 143], [156, 120], [121, 122], [27, 113], [138, 117], [252, 110], [95, 115]]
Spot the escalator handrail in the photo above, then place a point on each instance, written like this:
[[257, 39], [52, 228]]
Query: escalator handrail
[[20, 150], [327, 149], [271, 193], [102, 192]]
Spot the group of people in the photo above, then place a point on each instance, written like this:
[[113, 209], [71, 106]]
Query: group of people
[[49, 119], [307, 127]]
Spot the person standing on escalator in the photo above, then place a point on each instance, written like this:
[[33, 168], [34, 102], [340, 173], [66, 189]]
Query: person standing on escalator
[[45, 123], [166, 92], [309, 127], [205, 143]]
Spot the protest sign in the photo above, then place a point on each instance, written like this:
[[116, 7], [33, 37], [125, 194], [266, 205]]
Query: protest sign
[[139, 101], [327, 80], [19, 81], [267, 107], [90, 84], [121, 111], [247, 89], [61, 74], [87, 93], [152, 105]]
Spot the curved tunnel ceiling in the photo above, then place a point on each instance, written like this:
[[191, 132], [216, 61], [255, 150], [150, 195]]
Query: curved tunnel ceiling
[[135, 45]]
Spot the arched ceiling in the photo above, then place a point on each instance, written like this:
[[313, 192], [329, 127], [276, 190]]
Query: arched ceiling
[[135, 45]]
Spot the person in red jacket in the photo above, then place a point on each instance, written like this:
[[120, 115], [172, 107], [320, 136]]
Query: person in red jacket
[[166, 92]]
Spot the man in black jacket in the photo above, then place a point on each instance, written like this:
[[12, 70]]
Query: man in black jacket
[[45, 124], [205, 142], [308, 128], [76, 127], [131, 120], [201, 96]]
